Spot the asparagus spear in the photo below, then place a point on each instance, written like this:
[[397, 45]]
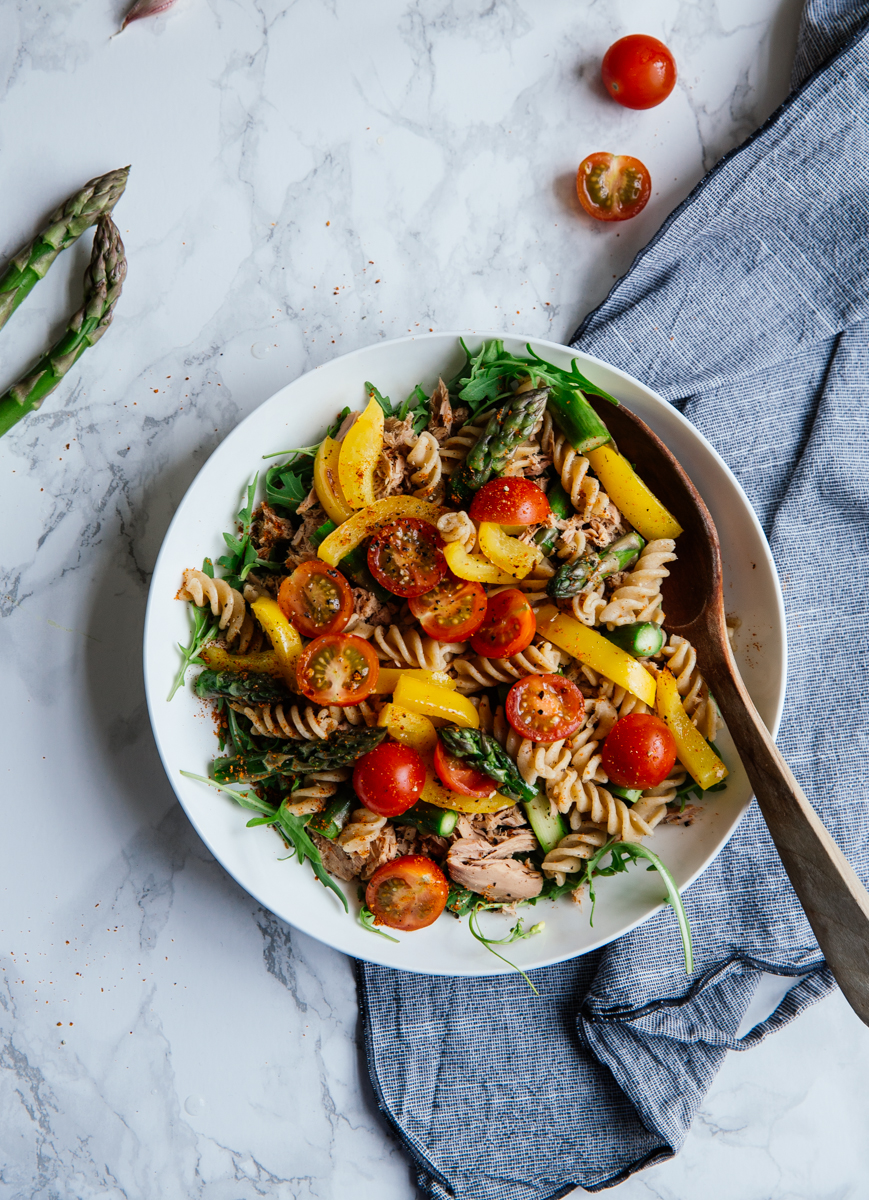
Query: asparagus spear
[[590, 568], [642, 639], [560, 503], [335, 815], [337, 750], [258, 689], [484, 753], [74, 216], [103, 280], [508, 426]]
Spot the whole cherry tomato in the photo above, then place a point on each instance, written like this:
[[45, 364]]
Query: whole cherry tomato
[[612, 187], [389, 778], [510, 501], [638, 71], [508, 627], [316, 599], [639, 751], [406, 557], [407, 893], [337, 668], [452, 611], [545, 708], [459, 776]]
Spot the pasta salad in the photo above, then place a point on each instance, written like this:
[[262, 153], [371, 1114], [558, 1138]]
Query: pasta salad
[[436, 650]]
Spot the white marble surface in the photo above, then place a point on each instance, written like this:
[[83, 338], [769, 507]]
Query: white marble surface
[[306, 177]]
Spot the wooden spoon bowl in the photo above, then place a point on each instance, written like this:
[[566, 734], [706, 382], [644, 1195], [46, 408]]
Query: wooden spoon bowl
[[835, 901]]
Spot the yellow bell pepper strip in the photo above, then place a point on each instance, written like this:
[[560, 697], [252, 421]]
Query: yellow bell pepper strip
[[474, 566], [631, 496], [435, 793], [283, 636], [367, 521], [359, 456], [326, 483], [387, 680], [695, 754], [421, 696], [508, 553], [592, 648], [410, 728], [259, 662]]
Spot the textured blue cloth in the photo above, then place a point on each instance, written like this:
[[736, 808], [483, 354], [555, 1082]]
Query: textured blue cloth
[[750, 312]]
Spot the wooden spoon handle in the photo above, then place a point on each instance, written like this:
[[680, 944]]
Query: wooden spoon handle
[[835, 901]]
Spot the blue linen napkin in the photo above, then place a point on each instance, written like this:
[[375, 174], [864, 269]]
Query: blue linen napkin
[[750, 312]]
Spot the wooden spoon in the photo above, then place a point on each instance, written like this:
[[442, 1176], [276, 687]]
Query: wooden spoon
[[835, 901]]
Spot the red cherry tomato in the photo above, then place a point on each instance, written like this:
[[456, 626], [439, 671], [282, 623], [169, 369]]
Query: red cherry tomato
[[545, 708], [389, 778], [407, 557], [459, 776], [638, 71], [316, 599], [407, 893], [639, 751], [508, 627], [337, 668], [612, 187], [510, 501], [452, 611]]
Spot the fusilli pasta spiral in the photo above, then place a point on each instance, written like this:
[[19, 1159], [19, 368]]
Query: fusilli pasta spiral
[[405, 647], [288, 720], [584, 490], [361, 830], [455, 449], [458, 527], [476, 672], [425, 457], [682, 660], [638, 598], [572, 851], [225, 601], [573, 797]]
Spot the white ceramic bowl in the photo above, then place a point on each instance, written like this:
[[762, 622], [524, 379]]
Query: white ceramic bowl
[[297, 416]]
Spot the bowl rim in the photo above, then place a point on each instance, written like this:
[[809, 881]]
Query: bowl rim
[[779, 626]]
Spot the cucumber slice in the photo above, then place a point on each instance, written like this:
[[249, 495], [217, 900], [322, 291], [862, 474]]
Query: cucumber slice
[[548, 827], [429, 818], [632, 795]]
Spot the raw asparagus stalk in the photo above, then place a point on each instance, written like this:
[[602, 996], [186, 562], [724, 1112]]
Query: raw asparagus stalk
[[258, 689], [642, 639], [577, 420], [508, 426], [484, 753], [103, 280], [560, 503], [74, 216], [590, 568]]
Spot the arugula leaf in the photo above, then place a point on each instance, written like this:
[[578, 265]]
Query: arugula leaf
[[287, 486], [290, 826], [489, 373], [204, 628], [416, 405], [242, 557], [384, 401], [623, 853], [516, 934], [366, 920]]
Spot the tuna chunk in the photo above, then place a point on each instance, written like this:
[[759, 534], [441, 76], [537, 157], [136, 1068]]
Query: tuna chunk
[[492, 871]]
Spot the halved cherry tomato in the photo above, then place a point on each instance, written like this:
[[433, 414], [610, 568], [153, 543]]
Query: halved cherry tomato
[[545, 708], [337, 668], [638, 71], [407, 893], [459, 776], [389, 778], [452, 611], [407, 557], [510, 501], [639, 751], [612, 187], [316, 599], [508, 626]]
